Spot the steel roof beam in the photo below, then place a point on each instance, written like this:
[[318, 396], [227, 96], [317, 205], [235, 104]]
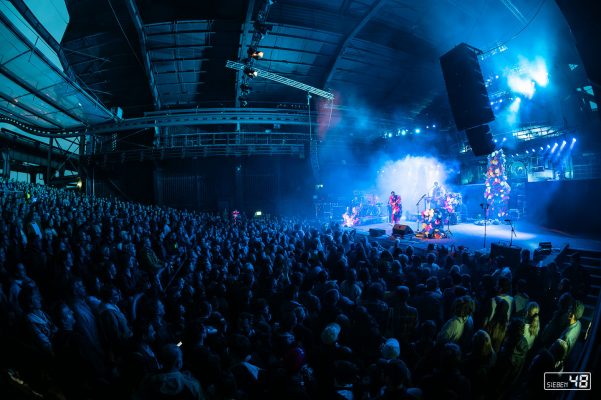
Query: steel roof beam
[[349, 38], [42, 96], [137, 19], [44, 34], [27, 109], [98, 105]]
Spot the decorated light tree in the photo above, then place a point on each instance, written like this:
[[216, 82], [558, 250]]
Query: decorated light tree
[[497, 189]]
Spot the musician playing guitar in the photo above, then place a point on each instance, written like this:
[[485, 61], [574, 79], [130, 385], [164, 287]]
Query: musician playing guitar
[[396, 207]]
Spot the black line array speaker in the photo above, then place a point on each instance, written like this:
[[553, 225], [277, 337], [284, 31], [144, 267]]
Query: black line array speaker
[[400, 229], [465, 87], [375, 232], [511, 254], [481, 140]]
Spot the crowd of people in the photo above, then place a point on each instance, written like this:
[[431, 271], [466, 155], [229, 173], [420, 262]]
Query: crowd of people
[[101, 297]]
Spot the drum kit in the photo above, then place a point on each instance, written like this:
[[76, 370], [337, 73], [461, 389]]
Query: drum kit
[[368, 205], [439, 212]]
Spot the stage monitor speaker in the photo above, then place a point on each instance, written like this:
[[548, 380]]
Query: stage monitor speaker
[[511, 254], [400, 229], [481, 140], [376, 232], [467, 93]]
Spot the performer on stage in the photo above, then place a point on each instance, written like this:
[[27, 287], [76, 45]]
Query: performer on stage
[[395, 207], [437, 196]]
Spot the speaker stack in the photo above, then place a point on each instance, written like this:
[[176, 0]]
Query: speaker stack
[[402, 230], [468, 97]]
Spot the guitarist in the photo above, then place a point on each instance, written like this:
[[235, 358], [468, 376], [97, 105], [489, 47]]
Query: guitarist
[[395, 206]]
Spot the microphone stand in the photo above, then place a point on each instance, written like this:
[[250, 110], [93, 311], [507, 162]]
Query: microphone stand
[[417, 218], [512, 232], [485, 220]]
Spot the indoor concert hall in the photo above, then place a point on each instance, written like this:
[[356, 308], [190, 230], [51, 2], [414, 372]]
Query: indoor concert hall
[[300, 199]]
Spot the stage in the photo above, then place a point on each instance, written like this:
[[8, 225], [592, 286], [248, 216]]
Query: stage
[[470, 235]]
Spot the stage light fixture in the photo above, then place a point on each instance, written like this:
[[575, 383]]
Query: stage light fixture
[[254, 53], [533, 150], [504, 139], [404, 132], [541, 148], [433, 125], [250, 72], [417, 130], [554, 148], [548, 146], [527, 152], [245, 89]]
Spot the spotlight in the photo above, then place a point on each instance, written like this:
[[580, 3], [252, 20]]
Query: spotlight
[[417, 130], [254, 53], [427, 126], [541, 148], [250, 72], [573, 140], [496, 140], [433, 125], [548, 146], [527, 152], [504, 139], [563, 145], [404, 132], [389, 134], [533, 150], [554, 148]]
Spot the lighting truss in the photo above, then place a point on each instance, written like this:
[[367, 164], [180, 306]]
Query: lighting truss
[[282, 80]]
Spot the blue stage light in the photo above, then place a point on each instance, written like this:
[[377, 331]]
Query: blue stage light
[[417, 130], [434, 126]]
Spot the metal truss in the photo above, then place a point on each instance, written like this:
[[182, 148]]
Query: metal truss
[[280, 79]]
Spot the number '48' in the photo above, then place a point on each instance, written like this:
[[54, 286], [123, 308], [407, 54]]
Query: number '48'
[[579, 381]]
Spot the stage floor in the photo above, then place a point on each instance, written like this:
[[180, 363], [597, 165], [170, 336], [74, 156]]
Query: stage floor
[[471, 236]]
